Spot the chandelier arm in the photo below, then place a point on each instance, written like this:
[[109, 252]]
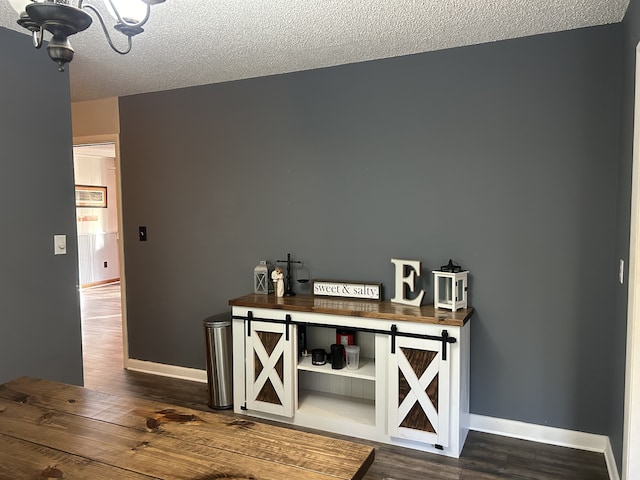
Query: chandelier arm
[[37, 36], [106, 31]]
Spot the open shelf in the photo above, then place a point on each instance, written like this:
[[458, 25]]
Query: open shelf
[[336, 408], [366, 370]]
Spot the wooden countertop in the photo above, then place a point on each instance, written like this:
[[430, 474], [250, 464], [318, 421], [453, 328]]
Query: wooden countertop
[[356, 308], [53, 430]]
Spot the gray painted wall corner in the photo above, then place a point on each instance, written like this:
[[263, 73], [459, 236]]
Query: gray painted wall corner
[[39, 303]]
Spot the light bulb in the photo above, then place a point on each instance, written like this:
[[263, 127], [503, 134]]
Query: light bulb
[[19, 5], [132, 11]]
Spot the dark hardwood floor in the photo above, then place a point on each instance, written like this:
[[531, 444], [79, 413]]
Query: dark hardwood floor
[[485, 457]]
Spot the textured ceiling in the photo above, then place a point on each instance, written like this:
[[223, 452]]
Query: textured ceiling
[[196, 42]]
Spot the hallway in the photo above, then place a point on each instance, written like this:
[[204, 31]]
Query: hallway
[[101, 334]]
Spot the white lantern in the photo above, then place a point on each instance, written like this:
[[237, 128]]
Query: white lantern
[[261, 278], [450, 289]]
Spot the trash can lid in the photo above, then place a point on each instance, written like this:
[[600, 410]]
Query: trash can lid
[[218, 320], [218, 324]]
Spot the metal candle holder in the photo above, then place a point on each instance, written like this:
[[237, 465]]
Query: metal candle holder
[[288, 291]]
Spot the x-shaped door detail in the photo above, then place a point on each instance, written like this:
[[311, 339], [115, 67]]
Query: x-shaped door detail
[[269, 369], [418, 390], [419, 378]]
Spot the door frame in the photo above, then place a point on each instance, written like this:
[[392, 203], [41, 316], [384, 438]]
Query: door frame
[[631, 437], [115, 139]]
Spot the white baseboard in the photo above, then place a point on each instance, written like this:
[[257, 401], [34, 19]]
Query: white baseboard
[[612, 467], [549, 435], [164, 370]]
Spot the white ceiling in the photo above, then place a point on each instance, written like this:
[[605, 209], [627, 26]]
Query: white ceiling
[[196, 42]]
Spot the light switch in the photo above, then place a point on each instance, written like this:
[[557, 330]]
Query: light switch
[[621, 272], [59, 244]]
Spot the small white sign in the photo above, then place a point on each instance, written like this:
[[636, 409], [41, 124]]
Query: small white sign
[[370, 291]]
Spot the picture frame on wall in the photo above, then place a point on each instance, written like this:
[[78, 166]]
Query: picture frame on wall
[[91, 196]]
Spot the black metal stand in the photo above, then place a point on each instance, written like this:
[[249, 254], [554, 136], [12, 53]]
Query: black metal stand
[[288, 291]]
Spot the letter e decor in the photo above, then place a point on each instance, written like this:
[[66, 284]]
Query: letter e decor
[[411, 266]]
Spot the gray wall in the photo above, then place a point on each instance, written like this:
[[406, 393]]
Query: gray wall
[[501, 156], [39, 306]]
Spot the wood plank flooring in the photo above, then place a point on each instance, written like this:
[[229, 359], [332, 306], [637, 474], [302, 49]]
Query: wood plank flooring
[[485, 457]]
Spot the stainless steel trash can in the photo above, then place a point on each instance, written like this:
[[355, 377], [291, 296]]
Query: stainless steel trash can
[[217, 334]]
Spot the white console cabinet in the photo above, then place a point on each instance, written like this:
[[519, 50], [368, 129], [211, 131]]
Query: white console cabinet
[[411, 388]]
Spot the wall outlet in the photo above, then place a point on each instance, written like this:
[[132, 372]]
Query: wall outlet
[[105, 264]]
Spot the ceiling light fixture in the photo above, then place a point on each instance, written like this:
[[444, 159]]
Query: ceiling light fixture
[[63, 18]]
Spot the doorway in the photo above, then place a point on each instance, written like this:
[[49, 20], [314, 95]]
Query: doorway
[[96, 214], [100, 262], [630, 459]]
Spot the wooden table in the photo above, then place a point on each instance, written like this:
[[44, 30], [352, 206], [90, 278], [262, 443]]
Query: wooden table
[[53, 430]]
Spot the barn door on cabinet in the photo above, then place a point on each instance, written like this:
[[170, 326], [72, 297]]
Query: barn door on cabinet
[[269, 355], [419, 391]]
